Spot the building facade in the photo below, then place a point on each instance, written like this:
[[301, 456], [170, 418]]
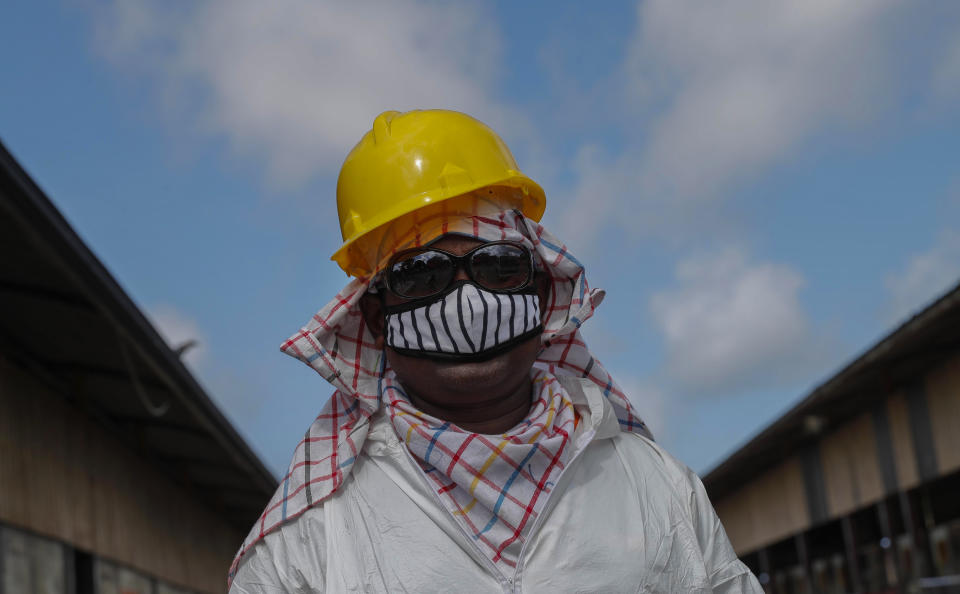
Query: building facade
[[117, 472], [857, 488]]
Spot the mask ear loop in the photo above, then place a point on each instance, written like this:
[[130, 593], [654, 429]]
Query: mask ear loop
[[378, 288], [381, 366]]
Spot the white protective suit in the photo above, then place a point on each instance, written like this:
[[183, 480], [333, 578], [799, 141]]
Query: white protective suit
[[356, 513], [625, 517]]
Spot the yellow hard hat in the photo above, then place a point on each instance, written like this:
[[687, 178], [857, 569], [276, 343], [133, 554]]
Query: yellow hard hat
[[415, 159]]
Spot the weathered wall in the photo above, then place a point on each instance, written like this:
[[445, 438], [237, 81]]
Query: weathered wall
[[767, 509], [904, 456], [850, 469], [62, 475], [773, 505], [943, 401]]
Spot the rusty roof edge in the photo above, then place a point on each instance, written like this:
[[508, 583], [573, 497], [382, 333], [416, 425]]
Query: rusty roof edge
[[775, 429]]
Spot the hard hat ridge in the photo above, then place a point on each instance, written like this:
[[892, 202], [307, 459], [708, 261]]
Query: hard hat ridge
[[381, 126]]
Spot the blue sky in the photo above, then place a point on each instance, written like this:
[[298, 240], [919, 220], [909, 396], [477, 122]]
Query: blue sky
[[763, 189]]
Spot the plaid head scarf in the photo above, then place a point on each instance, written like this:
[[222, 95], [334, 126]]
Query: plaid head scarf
[[497, 490]]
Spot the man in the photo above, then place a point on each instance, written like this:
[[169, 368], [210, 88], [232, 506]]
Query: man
[[473, 442]]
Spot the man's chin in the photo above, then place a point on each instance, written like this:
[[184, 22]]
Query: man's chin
[[469, 375], [467, 381]]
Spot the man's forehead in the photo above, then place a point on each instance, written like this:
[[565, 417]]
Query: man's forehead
[[456, 242], [429, 231]]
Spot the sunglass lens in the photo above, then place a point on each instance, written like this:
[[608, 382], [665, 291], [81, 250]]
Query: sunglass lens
[[500, 266], [421, 275]]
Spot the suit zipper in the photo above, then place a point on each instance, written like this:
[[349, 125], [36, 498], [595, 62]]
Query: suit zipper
[[551, 503], [510, 584], [504, 580]]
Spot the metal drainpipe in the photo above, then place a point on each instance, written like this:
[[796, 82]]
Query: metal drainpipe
[[194, 409]]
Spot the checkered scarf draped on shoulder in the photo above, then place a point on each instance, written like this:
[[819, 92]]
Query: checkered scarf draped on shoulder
[[339, 346], [494, 486]]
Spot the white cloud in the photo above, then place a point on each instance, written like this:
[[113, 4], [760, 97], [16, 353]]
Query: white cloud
[[715, 93], [177, 329], [946, 76], [926, 276], [296, 82], [730, 324]]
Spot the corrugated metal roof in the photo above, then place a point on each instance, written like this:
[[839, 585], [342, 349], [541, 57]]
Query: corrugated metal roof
[[919, 344], [66, 319]]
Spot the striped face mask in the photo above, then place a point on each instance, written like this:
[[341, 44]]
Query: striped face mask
[[465, 323]]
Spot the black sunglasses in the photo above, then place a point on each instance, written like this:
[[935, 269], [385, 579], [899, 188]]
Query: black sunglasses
[[499, 266]]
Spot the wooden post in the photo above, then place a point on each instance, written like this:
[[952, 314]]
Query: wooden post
[[850, 545], [883, 516], [800, 541], [764, 560]]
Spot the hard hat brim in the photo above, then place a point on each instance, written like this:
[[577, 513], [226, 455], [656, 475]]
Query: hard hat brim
[[349, 258]]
